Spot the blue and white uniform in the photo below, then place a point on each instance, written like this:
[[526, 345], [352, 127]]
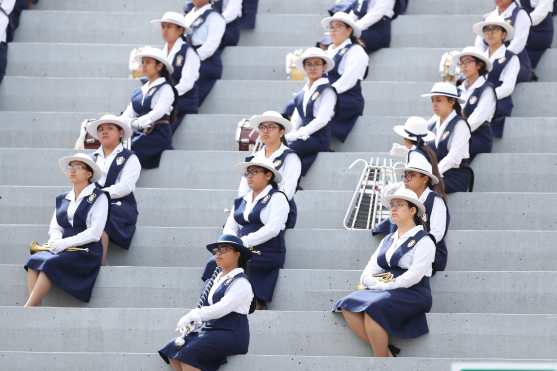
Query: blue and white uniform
[[520, 20], [151, 105], [478, 110], [314, 110], [451, 145], [351, 64], [231, 11], [6, 8], [541, 32], [260, 222], [121, 170], [206, 31], [374, 19], [77, 221], [399, 307], [288, 164], [186, 64], [503, 77], [225, 330]]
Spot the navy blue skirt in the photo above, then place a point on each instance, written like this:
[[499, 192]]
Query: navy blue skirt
[[263, 271], [457, 179], [401, 312], [540, 39], [307, 150], [377, 36], [481, 140], [349, 106], [207, 350], [122, 219], [149, 147], [73, 272]]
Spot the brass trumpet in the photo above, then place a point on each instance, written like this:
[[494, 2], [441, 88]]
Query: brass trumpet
[[384, 277], [35, 247]]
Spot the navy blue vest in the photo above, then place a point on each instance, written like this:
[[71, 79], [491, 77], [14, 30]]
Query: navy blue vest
[[143, 106], [399, 253], [114, 171], [474, 99], [200, 20], [334, 75], [309, 116], [442, 149], [440, 261], [498, 66], [360, 9], [278, 161], [80, 216], [231, 321], [345, 6]]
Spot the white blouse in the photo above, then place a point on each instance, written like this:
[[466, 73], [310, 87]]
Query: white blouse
[[458, 145], [290, 171], [352, 66], [96, 220], [486, 106], [273, 216], [161, 103], [237, 298], [208, 36], [190, 67], [418, 262], [126, 180], [376, 10], [508, 75]]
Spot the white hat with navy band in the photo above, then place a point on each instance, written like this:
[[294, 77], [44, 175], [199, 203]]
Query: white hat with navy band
[[172, 17], [84, 158], [344, 18], [406, 194], [444, 89], [264, 163], [414, 128]]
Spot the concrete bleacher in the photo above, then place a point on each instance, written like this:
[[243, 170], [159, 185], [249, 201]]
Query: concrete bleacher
[[496, 301]]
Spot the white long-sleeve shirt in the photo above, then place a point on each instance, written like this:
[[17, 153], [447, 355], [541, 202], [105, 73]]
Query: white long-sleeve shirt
[[418, 262], [486, 106], [237, 298], [438, 216], [521, 30], [8, 7], [376, 10], [190, 67], [323, 110], [290, 171], [208, 36], [273, 216], [352, 66], [96, 220], [161, 104], [542, 8], [231, 10], [508, 75], [126, 180], [458, 145]]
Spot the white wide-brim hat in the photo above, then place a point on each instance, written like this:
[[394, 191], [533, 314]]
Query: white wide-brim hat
[[421, 165], [494, 20], [81, 157], [264, 163], [155, 53], [415, 127], [345, 18], [406, 194], [472, 51], [172, 17], [270, 116], [444, 89], [119, 121], [314, 52]]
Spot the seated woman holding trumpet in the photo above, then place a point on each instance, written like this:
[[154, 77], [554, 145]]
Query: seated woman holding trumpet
[[218, 327], [120, 172], [72, 257], [395, 293]]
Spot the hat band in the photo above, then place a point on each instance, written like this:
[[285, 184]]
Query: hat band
[[445, 94], [415, 135]]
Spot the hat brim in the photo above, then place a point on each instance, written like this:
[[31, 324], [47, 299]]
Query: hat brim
[[483, 58], [419, 205], [399, 129], [356, 30], [478, 28], [329, 63], [434, 179], [65, 161], [437, 94], [156, 57], [277, 176], [256, 120], [173, 21], [244, 251], [93, 126]]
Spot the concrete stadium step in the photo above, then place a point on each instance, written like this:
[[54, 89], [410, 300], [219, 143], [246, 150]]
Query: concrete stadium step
[[309, 248], [204, 208], [247, 97], [23, 361], [275, 332], [301, 289], [250, 63], [21, 129], [218, 170]]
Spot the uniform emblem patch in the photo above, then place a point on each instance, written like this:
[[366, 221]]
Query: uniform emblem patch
[[120, 160], [411, 243], [502, 60], [445, 135], [92, 198], [277, 163], [266, 199], [179, 61], [315, 95], [473, 99]]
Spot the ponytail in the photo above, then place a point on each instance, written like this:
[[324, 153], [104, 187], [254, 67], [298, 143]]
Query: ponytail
[[431, 156]]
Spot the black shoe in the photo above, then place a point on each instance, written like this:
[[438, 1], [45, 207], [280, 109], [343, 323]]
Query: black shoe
[[394, 350], [534, 77]]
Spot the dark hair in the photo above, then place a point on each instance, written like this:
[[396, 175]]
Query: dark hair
[[482, 64], [456, 105], [431, 157], [417, 219], [356, 40], [164, 73]]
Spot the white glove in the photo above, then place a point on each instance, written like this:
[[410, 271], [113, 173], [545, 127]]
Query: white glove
[[56, 246], [292, 136], [191, 317], [399, 150], [138, 124]]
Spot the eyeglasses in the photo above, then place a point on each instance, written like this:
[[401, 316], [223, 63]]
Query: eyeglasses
[[398, 205], [252, 172], [467, 61], [221, 250], [492, 29], [410, 174], [337, 27], [268, 127], [313, 65], [70, 167]]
